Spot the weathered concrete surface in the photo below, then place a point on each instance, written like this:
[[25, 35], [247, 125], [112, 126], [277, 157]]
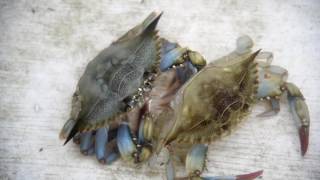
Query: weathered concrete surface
[[45, 45]]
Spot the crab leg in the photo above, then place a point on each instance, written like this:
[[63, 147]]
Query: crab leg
[[76, 138], [195, 161], [86, 142], [195, 164], [126, 146], [270, 80], [111, 152], [170, 170], [100, 143], [300, 114], [110, 158]]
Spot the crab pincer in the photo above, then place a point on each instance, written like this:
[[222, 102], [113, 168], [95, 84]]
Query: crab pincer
[[272, 84], [249, 176], [300, 114]]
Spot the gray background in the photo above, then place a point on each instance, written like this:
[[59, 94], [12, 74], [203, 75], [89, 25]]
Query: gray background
[[45, 46]]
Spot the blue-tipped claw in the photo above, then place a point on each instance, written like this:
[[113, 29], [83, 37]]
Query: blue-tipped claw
[[126, 146], [86, 142], [101, 142]]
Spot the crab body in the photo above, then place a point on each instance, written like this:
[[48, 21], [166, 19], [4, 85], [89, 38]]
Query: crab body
[[114, 75], [144, 94]]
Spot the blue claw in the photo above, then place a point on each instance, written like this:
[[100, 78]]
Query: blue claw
[[86, 142], [125, 144], [171, 58], [101, 141], [195, 160]]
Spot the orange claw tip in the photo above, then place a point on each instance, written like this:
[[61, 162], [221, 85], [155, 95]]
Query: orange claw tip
[[304, 139], [249, 176]]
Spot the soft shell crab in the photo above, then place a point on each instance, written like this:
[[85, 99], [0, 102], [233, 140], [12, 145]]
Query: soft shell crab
[[144, 93]]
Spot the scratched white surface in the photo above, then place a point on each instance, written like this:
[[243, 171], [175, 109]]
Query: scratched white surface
[[45, 46]]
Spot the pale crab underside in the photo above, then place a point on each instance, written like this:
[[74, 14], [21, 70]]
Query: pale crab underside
[[144, 94]]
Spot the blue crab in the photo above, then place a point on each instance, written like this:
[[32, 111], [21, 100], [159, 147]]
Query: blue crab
[[144, 94]]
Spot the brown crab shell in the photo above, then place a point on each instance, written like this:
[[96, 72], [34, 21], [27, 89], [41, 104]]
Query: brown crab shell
[[213, 101]]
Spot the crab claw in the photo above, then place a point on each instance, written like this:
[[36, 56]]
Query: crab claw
[[126, 146], [249, 176], [304, 139], [300, 113]]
